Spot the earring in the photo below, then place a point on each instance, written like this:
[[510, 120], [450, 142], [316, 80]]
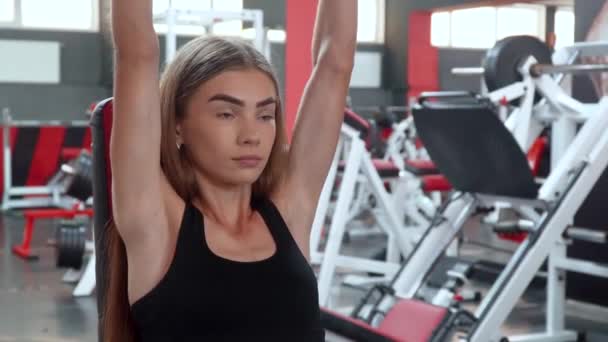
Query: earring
[[179, 146]]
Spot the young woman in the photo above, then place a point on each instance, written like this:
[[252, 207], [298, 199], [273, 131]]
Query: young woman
[[211, 208]]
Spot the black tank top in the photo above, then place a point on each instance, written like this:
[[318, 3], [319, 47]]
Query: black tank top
[[204, 297]]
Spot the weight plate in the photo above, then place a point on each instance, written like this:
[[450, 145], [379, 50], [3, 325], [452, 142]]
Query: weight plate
[[80, 185], [502, 61], [70, 248]]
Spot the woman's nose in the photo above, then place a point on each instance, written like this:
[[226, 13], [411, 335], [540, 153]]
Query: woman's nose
[[249, 134]]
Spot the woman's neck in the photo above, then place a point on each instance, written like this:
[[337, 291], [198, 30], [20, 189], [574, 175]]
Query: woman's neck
[[228, 206]]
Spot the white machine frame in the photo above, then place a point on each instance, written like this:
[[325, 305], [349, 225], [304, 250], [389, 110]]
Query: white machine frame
[[174, 16], [400, 145], [359, 171], [579, 159], [46, 196], [84, 278]]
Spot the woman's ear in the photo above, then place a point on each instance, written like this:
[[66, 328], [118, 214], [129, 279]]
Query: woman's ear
[[178, 135]]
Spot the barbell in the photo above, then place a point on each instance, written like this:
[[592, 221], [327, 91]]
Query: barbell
[[502, 62]]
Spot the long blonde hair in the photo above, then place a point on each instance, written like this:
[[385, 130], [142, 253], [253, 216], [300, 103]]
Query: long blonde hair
[[195, 63]]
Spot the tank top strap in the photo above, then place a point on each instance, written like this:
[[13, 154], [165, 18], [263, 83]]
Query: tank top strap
[[273, 219], [191, 231]]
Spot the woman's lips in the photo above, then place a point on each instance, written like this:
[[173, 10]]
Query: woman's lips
[[248, 161]]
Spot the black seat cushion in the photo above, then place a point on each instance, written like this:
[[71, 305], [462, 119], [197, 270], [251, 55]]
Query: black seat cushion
[[474, 149]]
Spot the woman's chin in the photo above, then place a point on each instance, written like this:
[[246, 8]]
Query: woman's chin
[[245, 177]]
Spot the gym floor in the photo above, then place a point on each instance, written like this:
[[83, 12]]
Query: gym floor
[[36, 306]]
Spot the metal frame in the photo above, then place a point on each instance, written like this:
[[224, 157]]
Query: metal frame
[[401, 139], [84, 278], [173, 16], [590, 149], [360, 179], [358, 161], [46, 196], [588, 153], [579, 160], [563, 133]]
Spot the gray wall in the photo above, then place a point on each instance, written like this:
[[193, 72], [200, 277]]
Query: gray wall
[[80, 85], [274, 11], [452, 58], [373, 96], [585, 12]]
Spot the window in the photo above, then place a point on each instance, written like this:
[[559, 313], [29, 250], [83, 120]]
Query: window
[[78, 15], [440, 29], [520, 20], [370, 21], [481, 27], [564, 27], [57, 14], [7, 11], [473, 28]]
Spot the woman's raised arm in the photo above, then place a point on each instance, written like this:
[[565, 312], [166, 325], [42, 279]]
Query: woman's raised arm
[[136, 131]]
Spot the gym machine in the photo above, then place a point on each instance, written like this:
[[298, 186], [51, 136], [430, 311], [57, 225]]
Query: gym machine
[[174, 16], [71, 242], [17, 197], [483, 158], [363, 178]]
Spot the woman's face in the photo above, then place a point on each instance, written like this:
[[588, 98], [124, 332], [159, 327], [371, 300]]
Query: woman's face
[[229, 126]]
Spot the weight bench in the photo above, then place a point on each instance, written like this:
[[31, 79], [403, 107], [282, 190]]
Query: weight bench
[[407, 321], [71, 244], [425, 170], [23, 250], [485, 164], [503, 173], [101, 125], [355, 165], [387, 168], [75, 184], [420, 167], [358, 123]]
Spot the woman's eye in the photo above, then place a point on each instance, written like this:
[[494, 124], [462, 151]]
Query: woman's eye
[[267, 117], [225, 115]]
